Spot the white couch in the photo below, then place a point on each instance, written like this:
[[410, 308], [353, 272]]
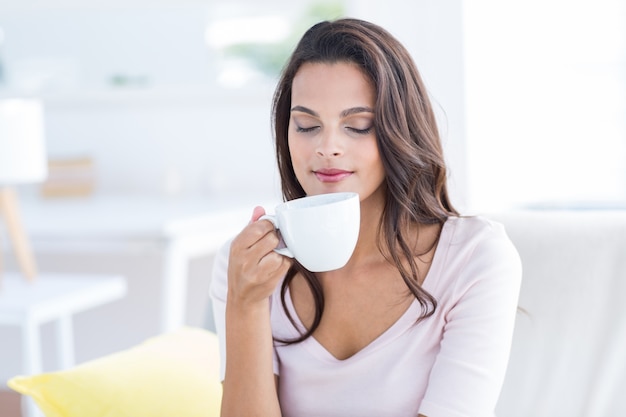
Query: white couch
[[569, 349]]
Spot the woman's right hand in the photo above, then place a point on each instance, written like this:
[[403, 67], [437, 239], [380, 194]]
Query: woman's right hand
[[254, 269]]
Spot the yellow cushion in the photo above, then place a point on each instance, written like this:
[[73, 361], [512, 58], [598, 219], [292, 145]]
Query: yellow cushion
[[176, 374]]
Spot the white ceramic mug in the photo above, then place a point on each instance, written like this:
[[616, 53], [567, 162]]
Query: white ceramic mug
[[320, 231]]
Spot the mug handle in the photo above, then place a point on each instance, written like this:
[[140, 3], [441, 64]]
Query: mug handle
[[282, 251]]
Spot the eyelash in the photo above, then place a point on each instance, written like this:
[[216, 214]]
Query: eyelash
[[361, 131], [305, 129], [358, 131]]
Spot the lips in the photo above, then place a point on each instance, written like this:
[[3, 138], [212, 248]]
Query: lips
[[331, 174]]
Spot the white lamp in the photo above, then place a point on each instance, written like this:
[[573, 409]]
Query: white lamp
[[22, 160]]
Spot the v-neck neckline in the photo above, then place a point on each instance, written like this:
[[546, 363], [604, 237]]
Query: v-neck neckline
[[402, 324]]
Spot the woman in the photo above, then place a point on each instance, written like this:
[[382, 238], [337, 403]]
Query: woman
[[420, 320]]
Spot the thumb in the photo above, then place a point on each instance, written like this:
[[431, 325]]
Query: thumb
[[257, 213]]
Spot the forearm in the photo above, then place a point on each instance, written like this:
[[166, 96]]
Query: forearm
[[249, 383]]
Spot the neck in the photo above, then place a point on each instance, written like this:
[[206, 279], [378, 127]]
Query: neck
[[367, 247], [422, 238]]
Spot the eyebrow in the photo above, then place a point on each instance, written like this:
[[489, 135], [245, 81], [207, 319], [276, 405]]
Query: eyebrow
[[345, 113]]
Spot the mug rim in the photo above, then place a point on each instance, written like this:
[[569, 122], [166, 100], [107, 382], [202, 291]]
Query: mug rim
[[327, 198]]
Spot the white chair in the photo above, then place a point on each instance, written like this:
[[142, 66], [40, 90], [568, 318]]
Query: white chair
[[52, 298]]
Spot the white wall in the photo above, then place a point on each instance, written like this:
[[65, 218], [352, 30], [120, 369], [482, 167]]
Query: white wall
[[216, 143], [177, 122], [546, 100], [171, 124]]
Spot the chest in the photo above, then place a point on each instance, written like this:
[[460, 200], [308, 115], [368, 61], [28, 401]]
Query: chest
[[387, 377], [357, 311]]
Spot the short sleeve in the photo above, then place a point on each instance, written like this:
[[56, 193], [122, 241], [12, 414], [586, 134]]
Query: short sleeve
[[218, 292], [469, 370]]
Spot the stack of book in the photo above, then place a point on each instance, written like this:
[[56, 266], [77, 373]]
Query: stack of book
[[69, 177]]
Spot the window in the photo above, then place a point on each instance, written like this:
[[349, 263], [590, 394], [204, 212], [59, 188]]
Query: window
[[546, 103], [253, 41]]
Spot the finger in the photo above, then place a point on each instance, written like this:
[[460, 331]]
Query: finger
[[265, 244], [275, 265], [254, 242], [257, 213]]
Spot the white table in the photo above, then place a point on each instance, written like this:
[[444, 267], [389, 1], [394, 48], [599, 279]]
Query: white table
[[184, 228], [52, 298]]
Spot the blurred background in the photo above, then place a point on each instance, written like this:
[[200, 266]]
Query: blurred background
[[171, 98], [157, 114]]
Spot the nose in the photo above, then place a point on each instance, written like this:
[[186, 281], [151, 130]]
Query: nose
[[329, 145]]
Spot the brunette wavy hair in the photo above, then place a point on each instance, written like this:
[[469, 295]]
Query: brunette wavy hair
[[407, 136]]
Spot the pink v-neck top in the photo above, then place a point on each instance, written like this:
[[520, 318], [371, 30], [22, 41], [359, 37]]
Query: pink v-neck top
[[451, 364]]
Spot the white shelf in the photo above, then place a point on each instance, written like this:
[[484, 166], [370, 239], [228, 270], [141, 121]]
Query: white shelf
[[152, 96]]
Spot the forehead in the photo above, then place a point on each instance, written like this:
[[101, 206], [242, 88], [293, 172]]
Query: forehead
[[341, 83]]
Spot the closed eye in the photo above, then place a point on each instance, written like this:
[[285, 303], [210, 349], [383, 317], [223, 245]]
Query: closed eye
[[360, 131], [305, 129]]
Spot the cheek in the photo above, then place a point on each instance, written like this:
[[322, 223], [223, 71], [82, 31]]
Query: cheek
[[375, 163], [299, 147], [370, 153], [297, 153]]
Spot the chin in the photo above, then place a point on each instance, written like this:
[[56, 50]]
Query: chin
[[331, 188]]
